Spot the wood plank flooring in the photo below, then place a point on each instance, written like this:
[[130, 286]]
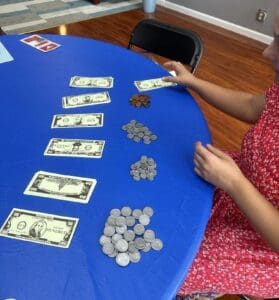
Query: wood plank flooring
[[229, 60]]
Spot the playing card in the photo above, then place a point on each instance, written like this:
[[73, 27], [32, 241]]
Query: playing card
[[91, 82], [61, 187], [40, 43], [85, 100], [78, 120], [75, 148], [37, 227], [152, 84]]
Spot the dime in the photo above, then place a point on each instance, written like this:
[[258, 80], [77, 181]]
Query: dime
[[157, 244], [121, 245], [108, 248], [135, 256], [139, 229], [148, 211], [129, 235], [144, 220]]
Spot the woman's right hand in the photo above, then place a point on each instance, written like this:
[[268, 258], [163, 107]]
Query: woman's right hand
[[183, 76]]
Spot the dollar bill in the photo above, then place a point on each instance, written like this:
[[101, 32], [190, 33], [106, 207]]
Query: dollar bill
[[85, 100], [37, 227], [152, 84], [91, 82], [62, 187], [78, 120], [75, 148]]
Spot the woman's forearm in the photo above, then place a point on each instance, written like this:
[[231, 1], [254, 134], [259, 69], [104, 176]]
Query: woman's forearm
[[263, 216]]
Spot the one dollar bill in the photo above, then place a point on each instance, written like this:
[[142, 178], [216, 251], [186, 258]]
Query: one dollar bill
[[37, 227], [62, 187], [75, 148], [91, 82], [85, 100], [152, 84], [78, 120]]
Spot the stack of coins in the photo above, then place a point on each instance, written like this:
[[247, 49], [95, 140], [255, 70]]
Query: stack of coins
[[138, 132], [139, 100], [145, 168], [125, 235]]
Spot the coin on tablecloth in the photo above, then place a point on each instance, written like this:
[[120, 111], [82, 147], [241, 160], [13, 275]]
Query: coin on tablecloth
[[122, 259]]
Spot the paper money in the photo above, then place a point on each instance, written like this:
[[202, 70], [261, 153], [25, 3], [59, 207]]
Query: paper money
[[85, 100], [62, 187], [77, 120], [37, 227], [152, 84], [91, 82], [75, 148]]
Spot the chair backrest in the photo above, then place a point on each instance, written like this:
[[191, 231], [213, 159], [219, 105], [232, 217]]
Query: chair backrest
[[168, 41]]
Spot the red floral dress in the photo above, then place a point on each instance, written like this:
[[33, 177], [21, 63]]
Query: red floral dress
[[233, 258]]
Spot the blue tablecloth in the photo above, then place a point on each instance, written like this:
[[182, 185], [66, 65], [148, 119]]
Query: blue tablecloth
[[31, 90]]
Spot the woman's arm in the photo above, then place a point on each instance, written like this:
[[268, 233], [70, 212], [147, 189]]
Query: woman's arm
[[218, 168], [241, 105]]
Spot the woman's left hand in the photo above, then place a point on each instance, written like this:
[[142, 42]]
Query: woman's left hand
[[216, 167]]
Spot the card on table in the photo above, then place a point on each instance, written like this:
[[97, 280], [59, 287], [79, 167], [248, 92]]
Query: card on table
[[38, 227], [152, 84], [61, 187], [40, 43], [85, 100], [75, 148], [91, 82], [78, 120]]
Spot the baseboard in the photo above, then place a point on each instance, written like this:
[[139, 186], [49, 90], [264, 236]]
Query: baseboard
[[255, 35]]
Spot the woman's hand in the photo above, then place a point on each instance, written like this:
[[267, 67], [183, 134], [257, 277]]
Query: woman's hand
[[183, 76], [216, 167]]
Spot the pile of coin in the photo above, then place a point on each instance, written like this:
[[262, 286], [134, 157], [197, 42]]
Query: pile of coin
[[145, 168], [125, 236], [139, 100], [138, 132]]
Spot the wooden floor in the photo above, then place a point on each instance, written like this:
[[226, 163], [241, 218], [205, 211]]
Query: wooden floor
[[230, 60]]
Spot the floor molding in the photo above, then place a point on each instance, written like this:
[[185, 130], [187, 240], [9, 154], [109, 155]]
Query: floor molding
[[255, 35]]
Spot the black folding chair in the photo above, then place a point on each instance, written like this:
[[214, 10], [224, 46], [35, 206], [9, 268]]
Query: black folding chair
[[168, 41]]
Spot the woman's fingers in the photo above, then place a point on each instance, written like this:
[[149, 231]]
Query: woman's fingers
[[216, 151]]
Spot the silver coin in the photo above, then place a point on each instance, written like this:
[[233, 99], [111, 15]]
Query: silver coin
[[132, 247], [130, 221], [109, 231], [120, 221], [139, 229], [126, 211], [135, 256], [115, 212], [147, 247], [116, 237], [148, 211], [140, 243], [113, 254], [157, 244], [121, 245], [153, 137], [137, 213], [108, 248], [104, 239], [111, 220], [149, 235], [122, 259], [121, 229], [129, 235], [144, 220]]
